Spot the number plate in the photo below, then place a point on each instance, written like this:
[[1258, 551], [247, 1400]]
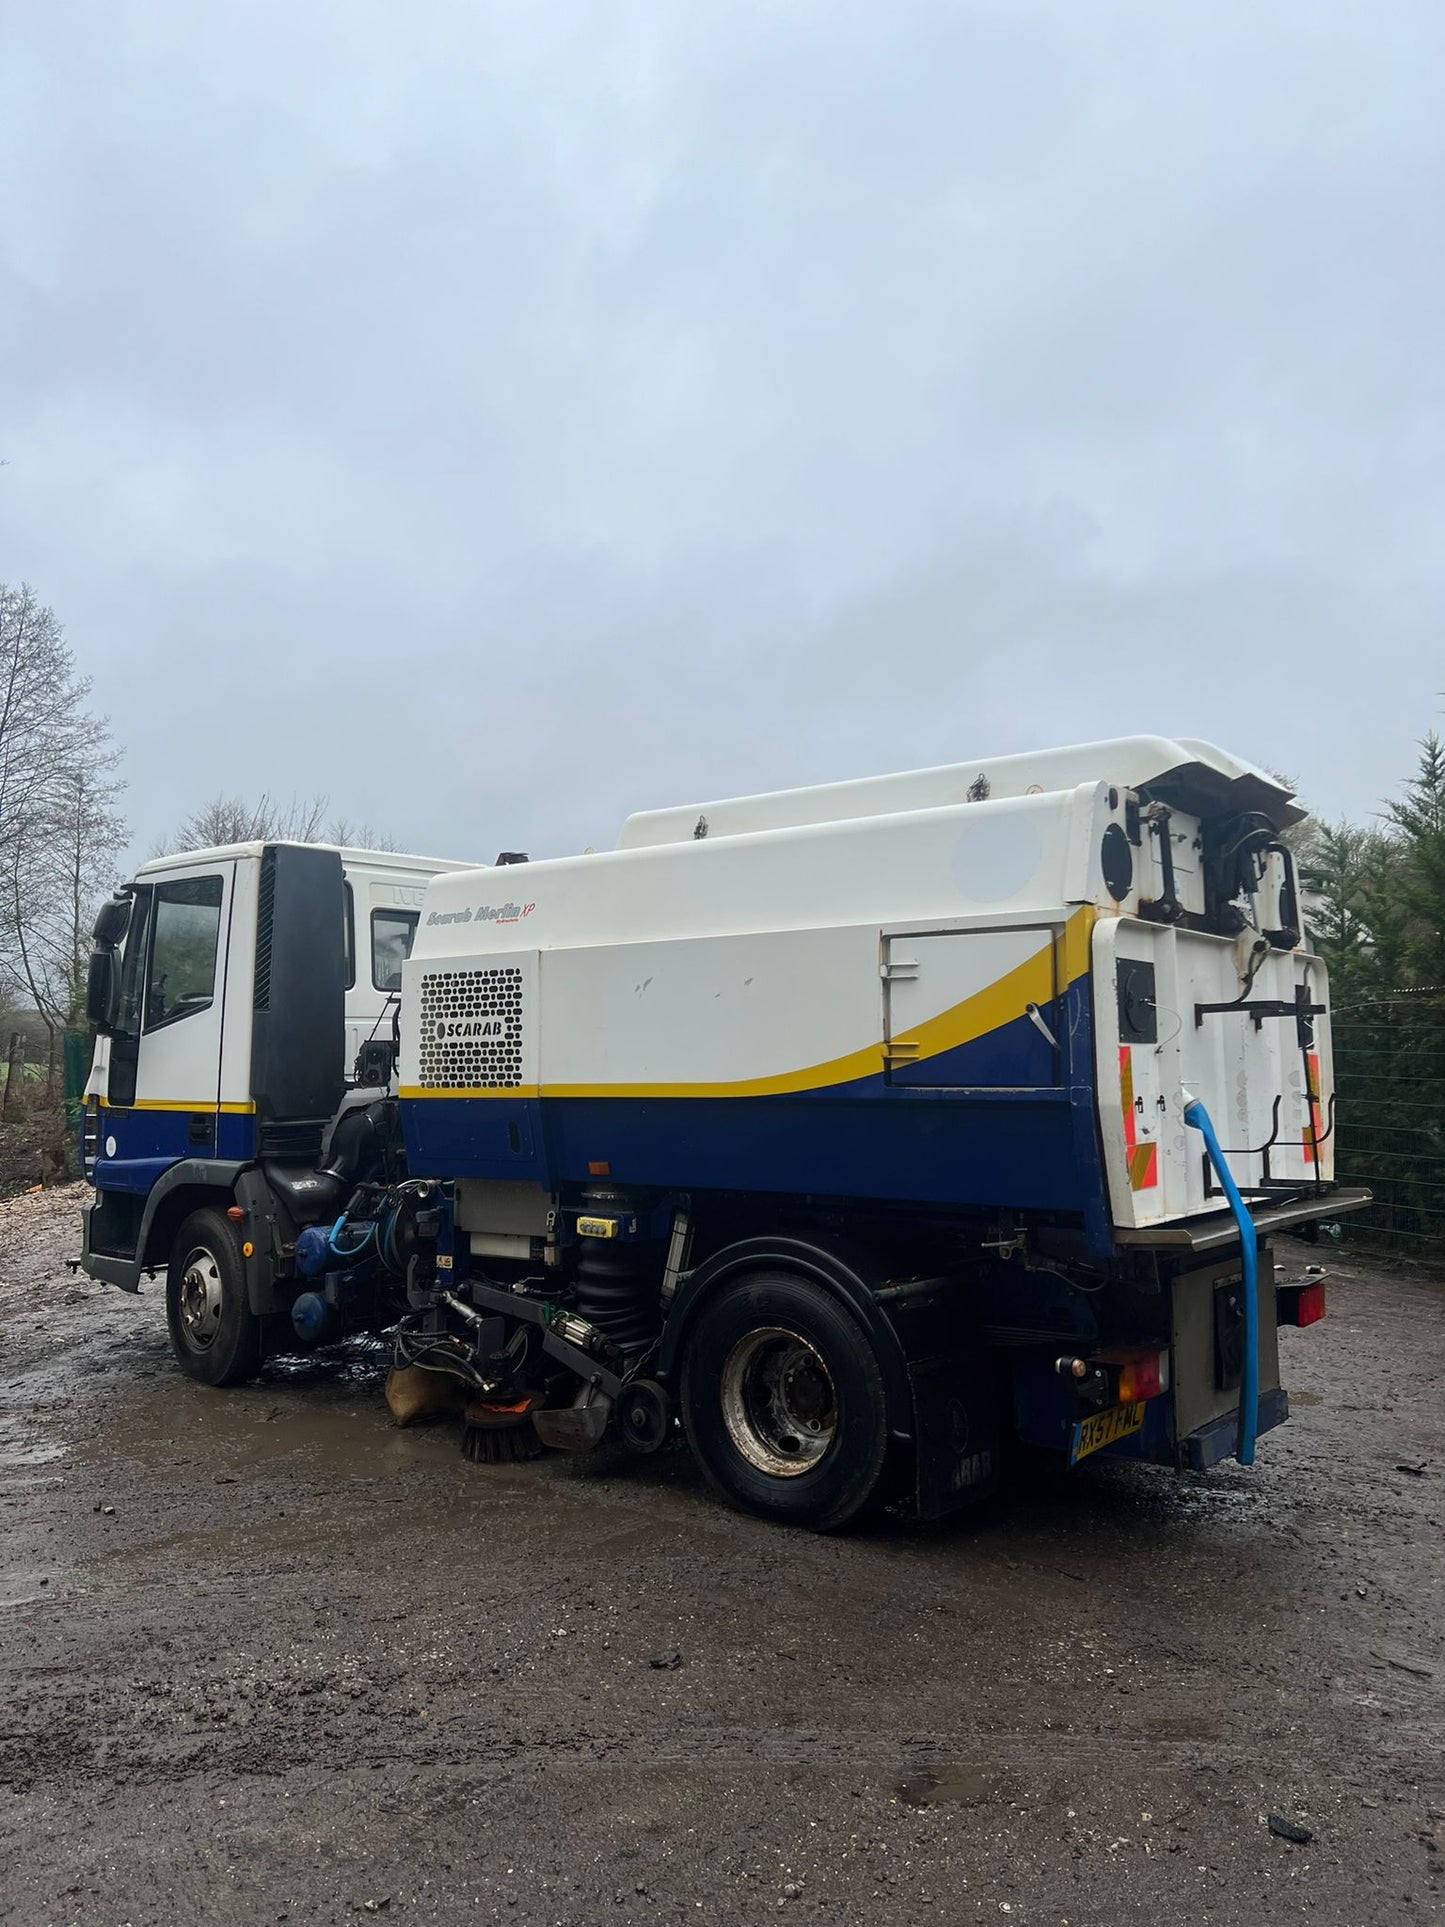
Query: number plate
[[1103, 1428]]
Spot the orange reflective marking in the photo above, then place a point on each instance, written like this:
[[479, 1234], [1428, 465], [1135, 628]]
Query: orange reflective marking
[[1143, 1158]]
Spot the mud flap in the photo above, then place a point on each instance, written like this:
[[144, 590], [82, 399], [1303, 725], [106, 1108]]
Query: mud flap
[[957, 1443], [952, 1382]]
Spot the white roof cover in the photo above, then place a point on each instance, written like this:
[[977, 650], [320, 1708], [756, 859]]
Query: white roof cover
[[1197, 773]]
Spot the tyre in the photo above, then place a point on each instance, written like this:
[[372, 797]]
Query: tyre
[[214, 1334], [783, 1402]]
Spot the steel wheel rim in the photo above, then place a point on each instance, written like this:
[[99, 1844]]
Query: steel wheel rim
[[200, 1298], [778, 1402]]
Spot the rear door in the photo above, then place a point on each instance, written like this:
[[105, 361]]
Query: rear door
[[163, 1099], [1172, 1021]]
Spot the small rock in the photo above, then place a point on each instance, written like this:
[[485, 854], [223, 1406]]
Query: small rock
[[791, 1890], [109, 1511], [1416, 1469], [1283, 1829], [666, 1662]]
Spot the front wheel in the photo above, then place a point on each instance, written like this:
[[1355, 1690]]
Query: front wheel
[[214, 1333], [783, 1401]]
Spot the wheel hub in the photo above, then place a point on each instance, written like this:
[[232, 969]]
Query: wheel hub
[[200, 1298], [778, 1402]]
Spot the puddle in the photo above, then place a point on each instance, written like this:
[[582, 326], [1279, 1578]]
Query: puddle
[[22, 1451], [22, 1587], [962, 1786]]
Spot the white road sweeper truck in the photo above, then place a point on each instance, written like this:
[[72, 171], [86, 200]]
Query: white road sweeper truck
[[857, 1133]]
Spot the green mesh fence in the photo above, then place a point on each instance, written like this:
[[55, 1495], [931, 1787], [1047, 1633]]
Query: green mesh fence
[[1390, 1122]]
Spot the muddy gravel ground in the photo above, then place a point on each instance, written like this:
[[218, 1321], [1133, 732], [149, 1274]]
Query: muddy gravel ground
[[267, 1658]]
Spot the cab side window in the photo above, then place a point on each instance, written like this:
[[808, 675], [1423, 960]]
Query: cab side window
[[391, 935], [185, 934]]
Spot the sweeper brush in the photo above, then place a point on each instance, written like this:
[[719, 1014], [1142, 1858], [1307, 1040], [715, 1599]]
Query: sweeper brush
[[500, 1434]]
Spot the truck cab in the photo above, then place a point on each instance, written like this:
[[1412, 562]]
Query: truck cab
[[218, 980]]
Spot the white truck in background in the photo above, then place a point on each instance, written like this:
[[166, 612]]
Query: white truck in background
[[863, 1129]]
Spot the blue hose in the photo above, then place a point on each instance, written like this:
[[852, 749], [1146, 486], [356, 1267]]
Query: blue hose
[[1196, 1115], [348, 1251]]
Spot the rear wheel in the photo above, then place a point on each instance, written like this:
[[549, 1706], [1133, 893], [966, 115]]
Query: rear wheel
[[214, 1334], [784, 1403]]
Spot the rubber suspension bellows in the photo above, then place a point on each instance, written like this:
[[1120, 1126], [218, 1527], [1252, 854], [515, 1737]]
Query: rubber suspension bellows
[[618, 1280]]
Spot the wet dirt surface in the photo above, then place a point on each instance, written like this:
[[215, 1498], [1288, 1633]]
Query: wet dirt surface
[[266, 1658]]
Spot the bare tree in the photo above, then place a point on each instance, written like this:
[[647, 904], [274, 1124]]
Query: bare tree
[[45, 726], [230, 819], [59, 824], [55, 885]]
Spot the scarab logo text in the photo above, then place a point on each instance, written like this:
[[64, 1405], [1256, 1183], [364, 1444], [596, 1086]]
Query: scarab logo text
[[484, 913], [473, 1027]]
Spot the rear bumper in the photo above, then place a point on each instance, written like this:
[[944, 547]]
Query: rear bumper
[[1217, 1231], [1217, 1440]]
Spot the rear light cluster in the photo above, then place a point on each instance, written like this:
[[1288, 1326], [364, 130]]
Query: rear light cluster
[[1122, 1376], [1302, 1304], [1143, 1377]]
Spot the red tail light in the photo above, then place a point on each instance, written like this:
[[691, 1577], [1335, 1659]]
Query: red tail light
[[1300, 1304], [1143, 1377]]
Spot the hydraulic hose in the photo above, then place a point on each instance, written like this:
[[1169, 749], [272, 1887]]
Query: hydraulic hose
[[347, 1251], [1196, 1115]]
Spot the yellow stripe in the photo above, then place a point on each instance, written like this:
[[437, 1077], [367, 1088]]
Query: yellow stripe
[[1031, 982], [458, 1090], [168, 1104], [1073, 944]]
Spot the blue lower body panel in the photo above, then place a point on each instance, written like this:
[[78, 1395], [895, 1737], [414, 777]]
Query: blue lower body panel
[[148, 1142], [958, 1148]]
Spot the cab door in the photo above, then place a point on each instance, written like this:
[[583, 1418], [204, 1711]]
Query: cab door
[[162, 1102]]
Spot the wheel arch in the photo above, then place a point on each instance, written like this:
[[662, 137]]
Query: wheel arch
[[846, 1278], [193, 1185]]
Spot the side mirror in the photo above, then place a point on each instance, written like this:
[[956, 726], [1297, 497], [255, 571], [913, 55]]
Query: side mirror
[[112, 921], [102, 988]]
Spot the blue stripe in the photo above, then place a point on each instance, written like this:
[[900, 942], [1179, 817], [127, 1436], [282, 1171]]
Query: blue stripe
[[955, 1148], [148, 1143]]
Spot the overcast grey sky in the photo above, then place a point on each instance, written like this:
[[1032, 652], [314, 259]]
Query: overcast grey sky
[[502, 416]]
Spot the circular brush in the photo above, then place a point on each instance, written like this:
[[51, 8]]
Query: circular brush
[[500, 1434]]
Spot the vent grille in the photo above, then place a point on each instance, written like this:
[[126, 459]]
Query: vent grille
[[265, 923], [471, 1029]]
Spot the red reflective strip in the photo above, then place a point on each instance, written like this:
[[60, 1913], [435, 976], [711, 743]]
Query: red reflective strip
[[1126, 1094], [1144, 1166], [1312, 1099]]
